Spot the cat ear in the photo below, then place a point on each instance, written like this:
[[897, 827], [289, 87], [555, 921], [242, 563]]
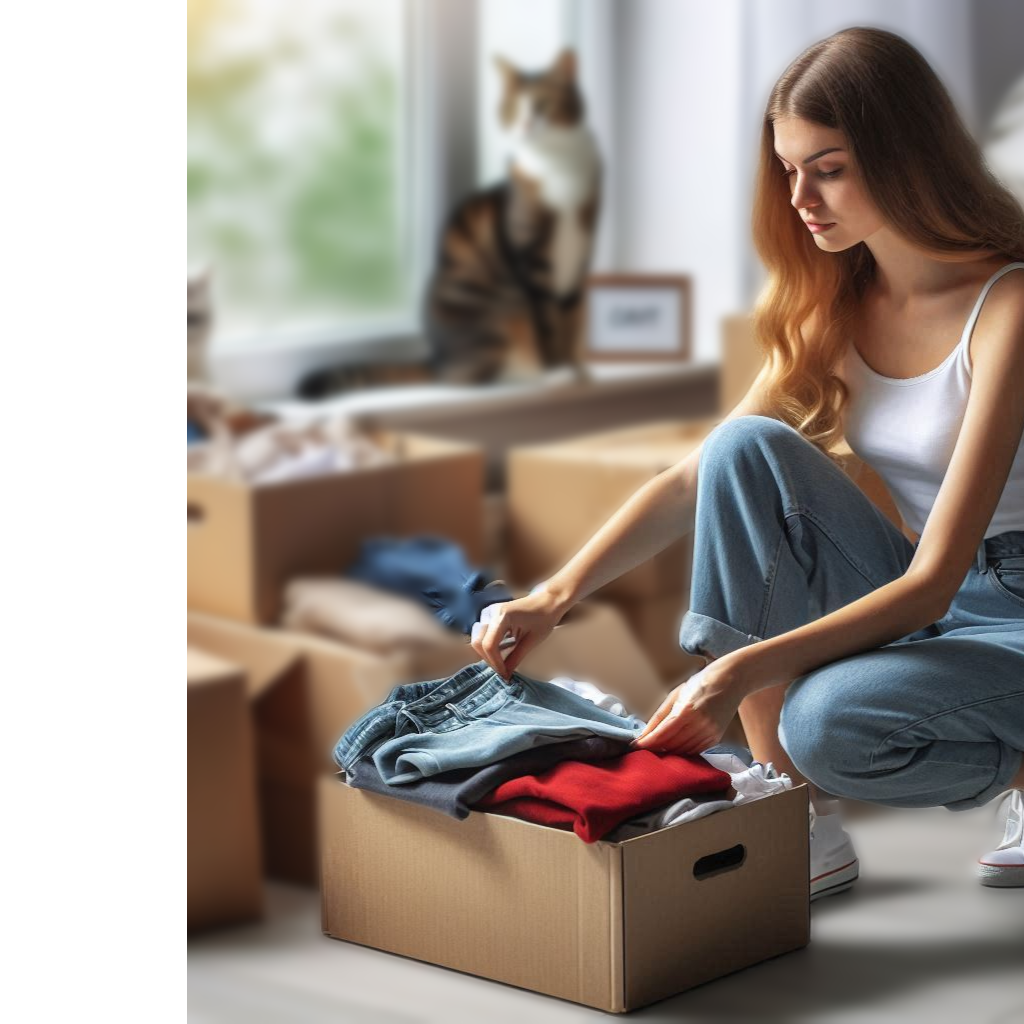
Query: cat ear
[[565, 65]]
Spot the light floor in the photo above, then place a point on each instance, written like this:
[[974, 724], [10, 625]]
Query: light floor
[[917, 940]]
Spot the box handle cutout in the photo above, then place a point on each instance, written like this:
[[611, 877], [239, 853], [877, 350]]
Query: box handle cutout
[[719, 863], [195, 513]]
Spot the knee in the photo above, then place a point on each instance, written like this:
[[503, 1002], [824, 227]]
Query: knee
[[744, 435], [828, 739]]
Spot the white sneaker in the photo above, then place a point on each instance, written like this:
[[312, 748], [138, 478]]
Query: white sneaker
[[834, 865], [1004, 866]]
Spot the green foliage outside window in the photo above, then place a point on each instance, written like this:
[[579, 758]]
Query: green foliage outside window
[[294, 135]]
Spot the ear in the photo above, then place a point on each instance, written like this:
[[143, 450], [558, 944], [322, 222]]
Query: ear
[[565, 65]]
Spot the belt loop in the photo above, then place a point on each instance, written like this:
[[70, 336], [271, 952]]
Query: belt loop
[[982, 558], [409, 717]]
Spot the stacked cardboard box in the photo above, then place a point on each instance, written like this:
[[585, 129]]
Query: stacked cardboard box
[[224, 876], [299, 691]]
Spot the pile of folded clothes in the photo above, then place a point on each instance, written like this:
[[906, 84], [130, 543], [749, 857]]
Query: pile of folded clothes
[[556, 753]]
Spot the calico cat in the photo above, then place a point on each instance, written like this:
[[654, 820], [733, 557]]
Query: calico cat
[[505, 300], [200, 323]]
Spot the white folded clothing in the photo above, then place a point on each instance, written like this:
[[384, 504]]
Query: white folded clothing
[[311, 462], [285, 451], [751, 783], [588, 690]]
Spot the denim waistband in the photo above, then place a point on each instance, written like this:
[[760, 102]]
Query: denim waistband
[[424, 705], [1002, 545]]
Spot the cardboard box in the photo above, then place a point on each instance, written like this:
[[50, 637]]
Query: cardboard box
[[224, 877], [561, 494], [301, 694], [245, 543], [305, 691], [615, 926]]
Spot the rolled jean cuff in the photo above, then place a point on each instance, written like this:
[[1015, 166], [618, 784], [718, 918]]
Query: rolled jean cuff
[[1010, 761], [711, 638]]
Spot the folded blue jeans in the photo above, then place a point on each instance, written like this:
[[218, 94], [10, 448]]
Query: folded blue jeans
[[783, 537], [470, 719]]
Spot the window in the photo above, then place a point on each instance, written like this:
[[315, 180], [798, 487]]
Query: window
[[299, 191]]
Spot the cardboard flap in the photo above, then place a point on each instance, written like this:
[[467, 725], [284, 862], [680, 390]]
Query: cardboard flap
[[266, 659], [204, 668]]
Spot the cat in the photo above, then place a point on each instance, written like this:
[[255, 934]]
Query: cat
[[200, 324], [505, 299]]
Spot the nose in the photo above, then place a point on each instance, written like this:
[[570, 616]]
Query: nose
[[804, 196]]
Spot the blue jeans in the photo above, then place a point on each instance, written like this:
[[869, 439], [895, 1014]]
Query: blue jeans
[[470, 719], [432, 571], [782, 537]]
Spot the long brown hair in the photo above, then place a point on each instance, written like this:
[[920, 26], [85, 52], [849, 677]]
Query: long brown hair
[[925, 174]]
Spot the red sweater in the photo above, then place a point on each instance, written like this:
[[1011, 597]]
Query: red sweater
[[594, 797]]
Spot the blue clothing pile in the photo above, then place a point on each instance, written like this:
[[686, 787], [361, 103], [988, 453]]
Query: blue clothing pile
[[430, 570]]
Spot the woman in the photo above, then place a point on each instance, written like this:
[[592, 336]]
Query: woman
[[871, 665]]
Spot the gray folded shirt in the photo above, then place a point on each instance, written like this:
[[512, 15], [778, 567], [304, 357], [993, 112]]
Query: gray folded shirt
[[456, 792]]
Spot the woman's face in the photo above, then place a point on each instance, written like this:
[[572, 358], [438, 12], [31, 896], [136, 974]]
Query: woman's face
[[824, 184]]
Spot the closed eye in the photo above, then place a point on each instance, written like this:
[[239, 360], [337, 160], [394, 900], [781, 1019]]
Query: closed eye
[[821, 174]]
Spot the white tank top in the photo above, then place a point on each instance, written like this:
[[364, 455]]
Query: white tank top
[[906, 428]]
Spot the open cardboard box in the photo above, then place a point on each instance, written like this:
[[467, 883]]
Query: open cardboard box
[[245, 543], [305, 691], [225, 884], [615, 926]]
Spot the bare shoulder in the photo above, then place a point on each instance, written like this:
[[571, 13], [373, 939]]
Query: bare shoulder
[[1003, 308], [1011, 283], [1000, 324]]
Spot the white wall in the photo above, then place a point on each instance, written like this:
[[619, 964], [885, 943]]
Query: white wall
[[677, 200]]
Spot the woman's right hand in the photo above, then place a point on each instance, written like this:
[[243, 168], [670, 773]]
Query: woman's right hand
[[529, 620]]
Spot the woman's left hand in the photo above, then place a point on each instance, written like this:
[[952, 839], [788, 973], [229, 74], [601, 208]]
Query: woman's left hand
[[695, 715]]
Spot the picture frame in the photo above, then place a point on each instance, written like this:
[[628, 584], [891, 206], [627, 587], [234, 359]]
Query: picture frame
[[638, 317]]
